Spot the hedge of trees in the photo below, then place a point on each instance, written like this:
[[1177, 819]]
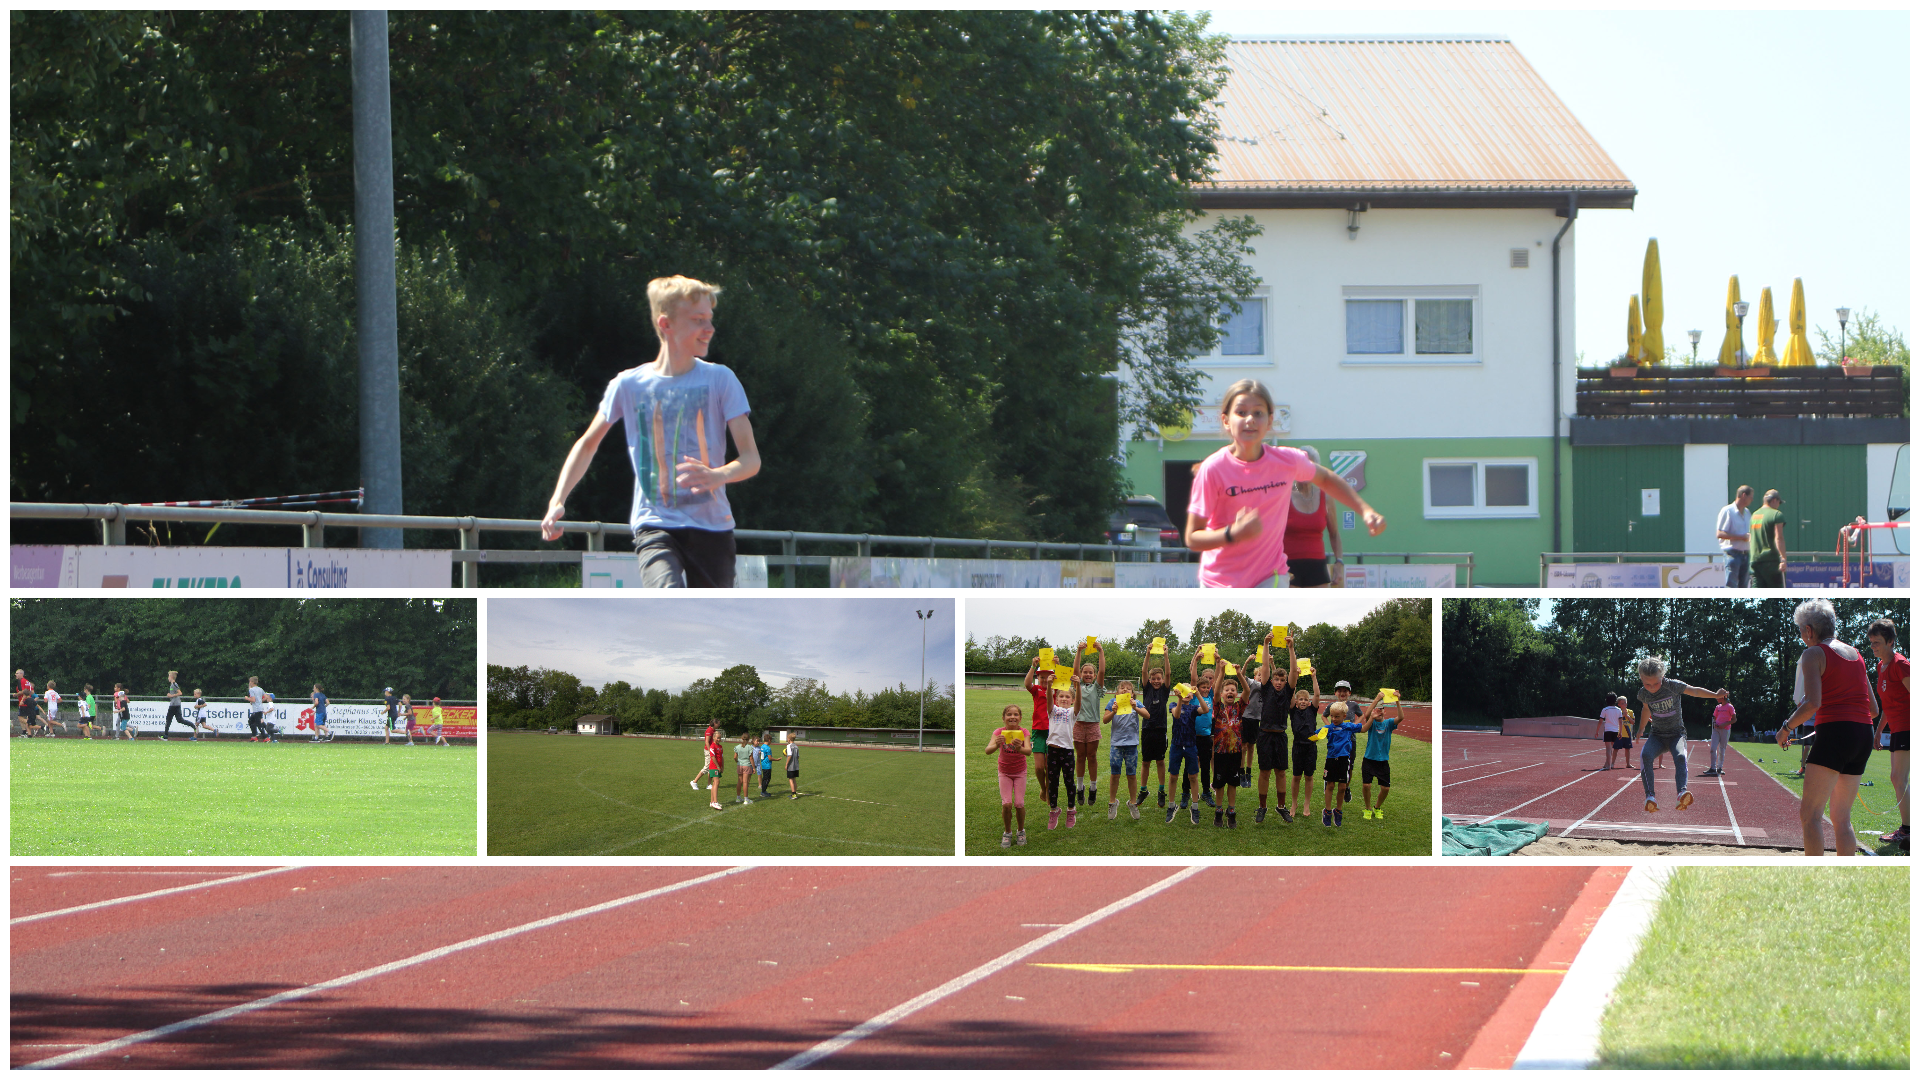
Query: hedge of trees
[[1502, 661], [736, 700], [985, 214], [1391, 646], [354, 647]]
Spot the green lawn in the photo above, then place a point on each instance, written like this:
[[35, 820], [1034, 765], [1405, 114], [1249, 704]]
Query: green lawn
[[1762, 967], [569, 795], [1406, 830], [1874, 811], [232, 797]]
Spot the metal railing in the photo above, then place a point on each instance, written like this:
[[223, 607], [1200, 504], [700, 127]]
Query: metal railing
[[313, 524], [1715, 557]]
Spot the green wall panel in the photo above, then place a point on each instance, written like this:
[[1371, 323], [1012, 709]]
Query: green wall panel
[[1824, 487], [1607, 481]]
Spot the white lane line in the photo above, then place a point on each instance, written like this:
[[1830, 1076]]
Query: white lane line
[[122, 1043], [135, 873], [1738, 837], [1490, 776], [1597, 809], [959, 983], [1537, 798], [1476, 765], [1567, 1035], [98, 904]]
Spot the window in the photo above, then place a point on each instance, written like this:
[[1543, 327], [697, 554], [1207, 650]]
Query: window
[[1246, 333], [1444, 329], [1486, 488]]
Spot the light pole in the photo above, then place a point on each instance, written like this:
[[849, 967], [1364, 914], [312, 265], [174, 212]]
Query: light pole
[[924, 617], [1740, 353], [1694, 336], [1843, 313]]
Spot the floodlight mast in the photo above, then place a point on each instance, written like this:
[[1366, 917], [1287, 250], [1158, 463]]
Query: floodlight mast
[[923, 616]]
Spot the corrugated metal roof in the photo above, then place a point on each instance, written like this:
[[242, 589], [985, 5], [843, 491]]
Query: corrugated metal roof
[[1446, 115]]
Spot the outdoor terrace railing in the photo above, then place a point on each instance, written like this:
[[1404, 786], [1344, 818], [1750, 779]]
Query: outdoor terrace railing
[[1708, 392]]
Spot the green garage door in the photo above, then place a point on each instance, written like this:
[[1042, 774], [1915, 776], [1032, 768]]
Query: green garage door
[[1607, 486], [1824, 487]]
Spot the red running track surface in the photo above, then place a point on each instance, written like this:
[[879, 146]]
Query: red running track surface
[[1484, 776], [752, 968]]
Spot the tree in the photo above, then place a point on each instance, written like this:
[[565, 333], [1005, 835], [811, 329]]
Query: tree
[[732, 697], [1869, 341]]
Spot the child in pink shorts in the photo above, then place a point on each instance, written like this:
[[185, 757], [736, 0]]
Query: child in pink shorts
[[1014, 746]]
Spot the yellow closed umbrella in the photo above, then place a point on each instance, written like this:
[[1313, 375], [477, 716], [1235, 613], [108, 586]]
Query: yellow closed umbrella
[[1633, 330], [1731, 347], [1653, 345], [1763, 354], [1799, 349]]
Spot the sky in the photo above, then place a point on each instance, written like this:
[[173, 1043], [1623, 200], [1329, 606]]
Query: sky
[[1768, 144], [1063, 621], [667, 643]]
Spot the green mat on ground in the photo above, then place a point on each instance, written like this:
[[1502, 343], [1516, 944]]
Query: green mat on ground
[[1488, 837]]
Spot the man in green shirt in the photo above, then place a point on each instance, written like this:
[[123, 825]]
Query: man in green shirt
[[1769, 543]]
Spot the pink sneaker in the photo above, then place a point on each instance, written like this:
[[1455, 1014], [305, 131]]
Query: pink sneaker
[[1053, 819], [1072, 815]]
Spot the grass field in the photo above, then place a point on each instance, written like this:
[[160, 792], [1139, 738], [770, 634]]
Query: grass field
[[1768, 968], [1406, 830], [232, 797], [1874, 811], [567, 795]]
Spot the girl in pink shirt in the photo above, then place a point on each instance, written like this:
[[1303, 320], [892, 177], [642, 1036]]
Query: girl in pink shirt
[[1237, 514]]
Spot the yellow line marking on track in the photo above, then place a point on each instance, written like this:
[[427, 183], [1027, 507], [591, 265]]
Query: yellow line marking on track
[[1122, 969]]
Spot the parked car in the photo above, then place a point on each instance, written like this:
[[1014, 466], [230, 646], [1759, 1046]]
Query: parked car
[[1150, 522], [553, 731]]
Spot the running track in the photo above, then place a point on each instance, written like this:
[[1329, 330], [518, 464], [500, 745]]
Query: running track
[[755, 967], [1485, 776]]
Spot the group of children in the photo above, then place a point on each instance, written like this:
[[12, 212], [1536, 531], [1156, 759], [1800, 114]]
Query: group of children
[[751, 754], [260, 705], [1213, 734]]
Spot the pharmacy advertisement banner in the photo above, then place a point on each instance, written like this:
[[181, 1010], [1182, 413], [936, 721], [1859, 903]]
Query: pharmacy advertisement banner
[[294, 719], [136, 567]]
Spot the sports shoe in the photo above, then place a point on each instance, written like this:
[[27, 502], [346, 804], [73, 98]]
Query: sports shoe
[[1260, 815], [1020, 837], [1073, 817], [1897, 834], [1246, 780], [1338, 818], [1652, 807], [1135, 811], [163, 738], [1286, 815], [795, 797], [1686, 800], [1053, 818], [1380, 814], [1326, 818], [1346, 795], [1219, 819], [1113, 810], [694, 784], [1171, 810], [1193, 816], [716, 806], [1208, 796], [1233, 820], [1142, 800], [1006, 839], [1162, 797]]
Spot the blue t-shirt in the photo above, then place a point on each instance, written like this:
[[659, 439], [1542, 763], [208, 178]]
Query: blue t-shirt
[[1340, 739], [320, 707], [765, 757], [1380, 738], [1203, 723], [1126, 725], [670, 418], [1184, 719]]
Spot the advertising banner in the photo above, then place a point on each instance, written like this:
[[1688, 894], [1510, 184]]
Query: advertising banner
[[1703, 575], [621, 570], [293, 718], [1086, 574], [1879, 575], [858, 572], [134, 567], [1604, 576], [1156, 576], [1402, 576]]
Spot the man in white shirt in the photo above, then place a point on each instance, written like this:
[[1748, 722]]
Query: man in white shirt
[[1732, 529]]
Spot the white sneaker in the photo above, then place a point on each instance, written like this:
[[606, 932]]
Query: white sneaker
[[694, 784], [1006, 839], [716, 806], [1113, 810], [1134, 809]]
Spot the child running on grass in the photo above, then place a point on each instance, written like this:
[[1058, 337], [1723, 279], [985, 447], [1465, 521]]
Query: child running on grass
[[1226, 748], [705, 739], [1060, 752], [439, 728], [88, 710], [1374, 766], [1010, 741], [200, 717], [1124, 713], [406, 716], [1039, 686], [1183, 750], [122, 711], [1086, 727], [1237, 512], [1153, 732], [1340, 732]]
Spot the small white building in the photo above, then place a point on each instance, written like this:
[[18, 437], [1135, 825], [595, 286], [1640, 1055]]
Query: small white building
[[597, 724]]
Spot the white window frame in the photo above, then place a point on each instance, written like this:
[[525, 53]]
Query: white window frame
[[1407, 294], [1480, 509], [1263, 359]]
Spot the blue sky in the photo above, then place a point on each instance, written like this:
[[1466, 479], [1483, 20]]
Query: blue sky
[[1768, 144], [667, 643], [1118, 616]]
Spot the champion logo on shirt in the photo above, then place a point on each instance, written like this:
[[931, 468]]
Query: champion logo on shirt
[[1236, 489]]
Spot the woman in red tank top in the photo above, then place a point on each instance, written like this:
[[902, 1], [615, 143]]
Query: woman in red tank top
[[1838, 700], [1304, 541]]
